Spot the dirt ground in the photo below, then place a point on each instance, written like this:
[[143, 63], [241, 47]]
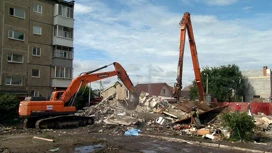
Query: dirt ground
[[108, 138]]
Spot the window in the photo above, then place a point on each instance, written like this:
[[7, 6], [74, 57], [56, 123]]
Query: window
[[14, 81], [36, 93], [59, 72], [127, 93], [37, 30], [17, 12], [60, 9], [63, 72], [69, 12], [35, 73], [63, 52], [65, 11], [63, 31], [36, 51], [68, 73], [37, 8], [15, 58], [15, 35]]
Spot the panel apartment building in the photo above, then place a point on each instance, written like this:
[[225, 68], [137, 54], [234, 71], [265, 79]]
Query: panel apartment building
[[36, 46]]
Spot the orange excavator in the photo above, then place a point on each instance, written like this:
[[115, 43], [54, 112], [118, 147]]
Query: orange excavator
[[58, 112], [185, 24]]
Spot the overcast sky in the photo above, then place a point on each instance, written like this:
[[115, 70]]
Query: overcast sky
[[143, 36]]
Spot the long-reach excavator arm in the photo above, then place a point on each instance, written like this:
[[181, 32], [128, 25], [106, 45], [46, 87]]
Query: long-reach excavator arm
[[57, 111], [185, 24]]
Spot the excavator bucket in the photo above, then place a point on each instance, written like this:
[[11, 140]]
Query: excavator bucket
[[131, 103]]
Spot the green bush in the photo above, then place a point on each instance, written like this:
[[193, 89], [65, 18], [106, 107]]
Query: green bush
[[83, 97], [9, 105], [241, 125]]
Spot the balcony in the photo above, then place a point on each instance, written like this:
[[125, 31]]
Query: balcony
[[63, 15], [58, 40], [64, 21], [61, 82]]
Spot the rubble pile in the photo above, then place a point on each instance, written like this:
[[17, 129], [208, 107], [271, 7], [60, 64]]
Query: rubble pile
[[150, 108], [164, 115], [263, 122]]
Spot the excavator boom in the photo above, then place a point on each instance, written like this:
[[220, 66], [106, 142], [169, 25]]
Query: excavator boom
[[186, 25], [87, 77], [56, 112]]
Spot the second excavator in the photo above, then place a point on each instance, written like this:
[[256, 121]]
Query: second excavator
[[185, 24], [58, 111]]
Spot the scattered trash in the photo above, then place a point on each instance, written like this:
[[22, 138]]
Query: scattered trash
[[209, 136], [161, 121], [54, 149], [132, 132]]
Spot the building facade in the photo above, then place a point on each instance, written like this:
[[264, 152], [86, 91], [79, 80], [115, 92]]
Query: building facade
[[155, 89], [258, 85], [36, 46], [117, 89]]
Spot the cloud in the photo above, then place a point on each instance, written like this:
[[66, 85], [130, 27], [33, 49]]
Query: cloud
[[81, 9], [246, 8], [220, 2], [144, 39]]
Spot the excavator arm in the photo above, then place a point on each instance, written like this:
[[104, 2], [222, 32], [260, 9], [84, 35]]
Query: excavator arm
[[186, 25], [87, 77], [57, 112]]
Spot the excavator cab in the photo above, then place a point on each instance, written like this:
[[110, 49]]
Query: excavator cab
[[56, 95]]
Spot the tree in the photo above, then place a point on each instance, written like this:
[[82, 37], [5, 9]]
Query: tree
[[83, 97], [9, 105], [224, 83], [193, 94]]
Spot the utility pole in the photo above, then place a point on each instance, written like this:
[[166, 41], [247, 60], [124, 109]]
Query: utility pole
[[207, 84], [89, 95]]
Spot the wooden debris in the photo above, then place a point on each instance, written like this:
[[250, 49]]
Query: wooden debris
[[203, 132], [166, 113], [45, 139]]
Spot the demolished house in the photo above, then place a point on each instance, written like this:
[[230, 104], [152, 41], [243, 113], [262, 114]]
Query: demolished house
[[160, 111]]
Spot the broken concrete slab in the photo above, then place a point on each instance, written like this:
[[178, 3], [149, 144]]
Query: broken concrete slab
[[124, 120]]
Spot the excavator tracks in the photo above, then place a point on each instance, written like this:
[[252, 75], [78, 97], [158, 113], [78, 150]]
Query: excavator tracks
[[58, 122], [64, 121], [30, 122]]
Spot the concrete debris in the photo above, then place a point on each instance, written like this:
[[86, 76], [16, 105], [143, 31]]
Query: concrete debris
[[157, 112], [123, 120], [263, 122], [5, 150]]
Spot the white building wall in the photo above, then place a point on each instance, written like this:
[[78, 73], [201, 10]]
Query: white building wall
[[257, 85]]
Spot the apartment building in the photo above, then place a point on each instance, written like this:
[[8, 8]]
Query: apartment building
[[36, 46]]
